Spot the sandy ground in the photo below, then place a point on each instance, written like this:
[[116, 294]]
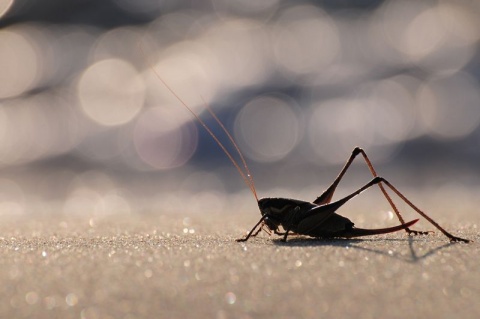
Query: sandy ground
[[177, 267]]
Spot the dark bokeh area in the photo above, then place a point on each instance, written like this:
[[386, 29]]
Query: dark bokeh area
[[87, 127]]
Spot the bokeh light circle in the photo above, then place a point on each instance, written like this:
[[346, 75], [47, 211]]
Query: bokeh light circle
[[336, 126], [183, 67], [162, 140], [449, 106], [267, 128], [18, 63], [305, 40], [5, 5], [239, 46], [111, 92]]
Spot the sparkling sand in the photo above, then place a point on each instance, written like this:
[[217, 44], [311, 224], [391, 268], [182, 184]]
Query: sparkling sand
[[176, 267]]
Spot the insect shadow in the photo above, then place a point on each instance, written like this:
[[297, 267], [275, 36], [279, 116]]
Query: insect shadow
[[413, 256]]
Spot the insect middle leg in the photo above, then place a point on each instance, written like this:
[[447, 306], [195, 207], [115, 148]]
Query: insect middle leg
[[327, 195]]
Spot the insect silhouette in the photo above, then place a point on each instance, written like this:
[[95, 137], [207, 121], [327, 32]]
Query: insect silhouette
[[284, 216]]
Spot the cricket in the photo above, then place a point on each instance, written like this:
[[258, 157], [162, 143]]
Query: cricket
[[319, 219]]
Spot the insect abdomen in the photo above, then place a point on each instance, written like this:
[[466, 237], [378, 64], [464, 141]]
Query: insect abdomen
[[331, 227]]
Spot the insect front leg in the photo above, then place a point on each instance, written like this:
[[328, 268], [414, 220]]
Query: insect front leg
[[253, 229], [257, 232]]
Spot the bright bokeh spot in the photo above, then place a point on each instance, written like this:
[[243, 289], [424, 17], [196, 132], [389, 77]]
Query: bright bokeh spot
[[121, 43], [111, 92], [392, 110], [438, 37], [35, 127], [449, 107], [462, 23], [183, 67], [238, 46], [4, 6], [267, 128], [160, 139], [394, 18], [18, 63], [423, 35], [95, 194], [336, 126], [305, 40]]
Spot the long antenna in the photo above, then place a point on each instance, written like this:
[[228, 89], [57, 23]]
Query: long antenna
[[248, 180], [249, 175]]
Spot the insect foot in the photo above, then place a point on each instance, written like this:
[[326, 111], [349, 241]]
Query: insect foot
[[454, 239], [419, 232]]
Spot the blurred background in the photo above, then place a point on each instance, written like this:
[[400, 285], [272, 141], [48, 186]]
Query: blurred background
[[87, 128]]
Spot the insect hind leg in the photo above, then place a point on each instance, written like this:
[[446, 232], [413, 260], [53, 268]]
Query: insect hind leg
[[327, 195], [388, 198], [421, 213]]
